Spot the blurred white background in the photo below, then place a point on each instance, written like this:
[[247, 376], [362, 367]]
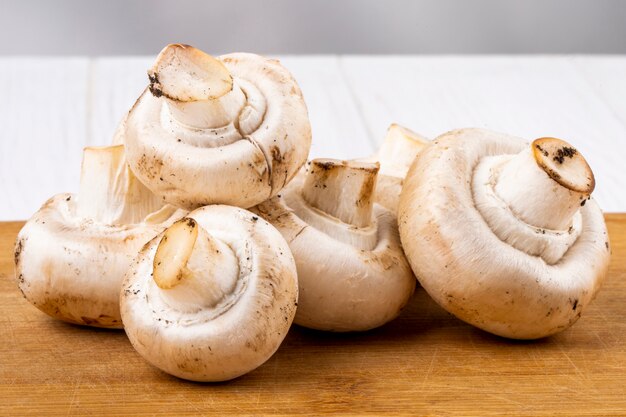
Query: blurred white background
[[114, 27]]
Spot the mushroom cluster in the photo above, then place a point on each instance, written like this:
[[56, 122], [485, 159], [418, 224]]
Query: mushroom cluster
[[502, 234], [208, 295]]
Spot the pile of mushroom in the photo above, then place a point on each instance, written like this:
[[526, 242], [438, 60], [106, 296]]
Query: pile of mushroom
[[72, 255], [228, 130], [504, 234], [351, 269]]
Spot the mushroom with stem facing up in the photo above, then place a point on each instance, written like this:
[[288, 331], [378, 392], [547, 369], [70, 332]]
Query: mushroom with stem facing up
[[504, 234], [212, 297], [71, 256], [352, 273], [396, 153], [227, 130]]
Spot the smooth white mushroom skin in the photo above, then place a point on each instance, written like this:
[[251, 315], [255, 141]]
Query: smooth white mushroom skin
[[72, 255], [352, 273], [227, 130], [461, 226], [212, 297], [397, 152]]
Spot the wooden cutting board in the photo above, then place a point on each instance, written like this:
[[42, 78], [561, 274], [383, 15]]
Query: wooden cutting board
[[425, 362]]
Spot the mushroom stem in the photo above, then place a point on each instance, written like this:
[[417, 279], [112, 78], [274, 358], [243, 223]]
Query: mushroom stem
[[209, 114], [199, 89], [109, 191], [342, 189], [398, 150], [545, 184], [193, 269]]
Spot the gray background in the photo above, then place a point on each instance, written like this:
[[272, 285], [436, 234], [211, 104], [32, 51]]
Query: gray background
[[116, 27]]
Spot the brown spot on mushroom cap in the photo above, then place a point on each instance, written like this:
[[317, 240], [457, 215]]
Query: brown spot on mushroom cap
[[276, 155], [102, 320], [19, 246], [150, 167], [61, 307]]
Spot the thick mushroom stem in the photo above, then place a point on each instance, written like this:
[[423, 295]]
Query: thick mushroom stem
[[342, 189], [199, 89], [109, 191], [545, 184], [193, 269], [209, 114], [399, 149]]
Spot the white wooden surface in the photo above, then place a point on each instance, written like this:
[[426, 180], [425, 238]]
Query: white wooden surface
[[52, 108]]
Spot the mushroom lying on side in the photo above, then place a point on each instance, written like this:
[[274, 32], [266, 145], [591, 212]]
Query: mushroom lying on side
[[502, 234], [231, 130], [71, 256], [351, 270], [397, 152], [212, 297]]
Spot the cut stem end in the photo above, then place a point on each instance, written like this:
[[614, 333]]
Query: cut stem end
[[399, 148], [186, 74], [564, 164], [109, 191], [173, 253], [342, 189], [193, 269], [546, 183]]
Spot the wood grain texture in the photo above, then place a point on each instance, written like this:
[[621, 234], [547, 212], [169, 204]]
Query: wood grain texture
[[425, 362]]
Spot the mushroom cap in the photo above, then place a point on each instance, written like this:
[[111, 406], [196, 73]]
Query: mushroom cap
[[238, 164], [464, 265], [72, 268], [344, 286], [233, 337]]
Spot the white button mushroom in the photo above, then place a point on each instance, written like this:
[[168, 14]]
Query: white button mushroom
[[397, 152], [212, 297], [502, 234], [231, 130], [351, 270], [72, 255]]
